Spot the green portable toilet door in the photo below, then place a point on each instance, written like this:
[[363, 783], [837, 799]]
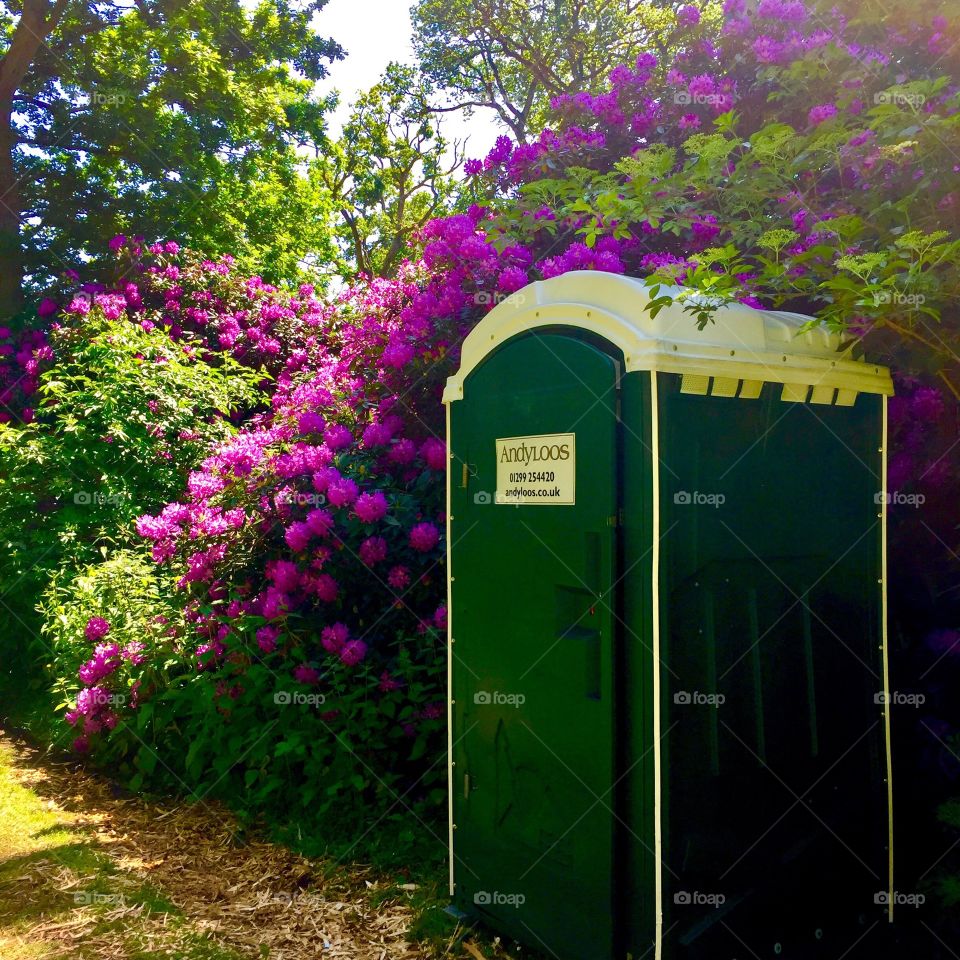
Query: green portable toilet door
[[533, 623]]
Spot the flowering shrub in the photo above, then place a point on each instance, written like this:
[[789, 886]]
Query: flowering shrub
[[805, 158], [131, 694], [102, 662], [306, 553], [113, 428]]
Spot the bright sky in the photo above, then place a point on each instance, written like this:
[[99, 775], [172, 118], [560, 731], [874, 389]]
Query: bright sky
[[374, 32]]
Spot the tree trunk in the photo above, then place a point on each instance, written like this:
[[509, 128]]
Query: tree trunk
[[11, 252]]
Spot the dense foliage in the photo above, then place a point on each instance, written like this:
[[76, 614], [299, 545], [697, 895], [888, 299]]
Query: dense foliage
[[513, 56], [164, 119], [114, 425], [387, 175]]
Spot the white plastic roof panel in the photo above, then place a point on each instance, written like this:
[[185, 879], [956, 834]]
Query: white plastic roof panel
[[741, 344]]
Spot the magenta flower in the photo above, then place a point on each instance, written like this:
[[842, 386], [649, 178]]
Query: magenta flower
[[325, 587], [304, 673], [320, 522], [342, 492], [285, 574], [512, 279], [702, 85], [398, 577], [46, 309], [424, 537], [267, 638], [334, 638], [398, 353], [133, 653], [353, 652], [388, 684], [112, 304], [373, 550], [403, 451], [97, 669], [297, 537], [323, 478], [310, 423], [371, 507], [821, 113], [337, 437], [79, 305], [434, 453], [376, 435], [97, 628]]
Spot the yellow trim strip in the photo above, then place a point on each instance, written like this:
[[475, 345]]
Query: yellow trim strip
[[655, 618], [449, 655], [886, 659]]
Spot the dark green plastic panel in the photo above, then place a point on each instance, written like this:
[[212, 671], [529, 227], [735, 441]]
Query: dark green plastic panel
[[534, 625], [774, 805]]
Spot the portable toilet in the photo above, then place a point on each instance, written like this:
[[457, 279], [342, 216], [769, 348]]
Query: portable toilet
[[667, 653]]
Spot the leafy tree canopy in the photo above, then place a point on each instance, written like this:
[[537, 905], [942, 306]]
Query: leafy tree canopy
[[389, 173], [512, 56], [160, 118]]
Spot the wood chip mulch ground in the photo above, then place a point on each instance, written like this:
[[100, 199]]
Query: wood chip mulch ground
[[254, 899]]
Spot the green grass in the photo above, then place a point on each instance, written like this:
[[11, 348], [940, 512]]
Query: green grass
[[47, 862]]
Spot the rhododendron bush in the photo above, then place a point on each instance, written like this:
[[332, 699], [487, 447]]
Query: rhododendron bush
[[113, 426], [304, 557], [802, 158]]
